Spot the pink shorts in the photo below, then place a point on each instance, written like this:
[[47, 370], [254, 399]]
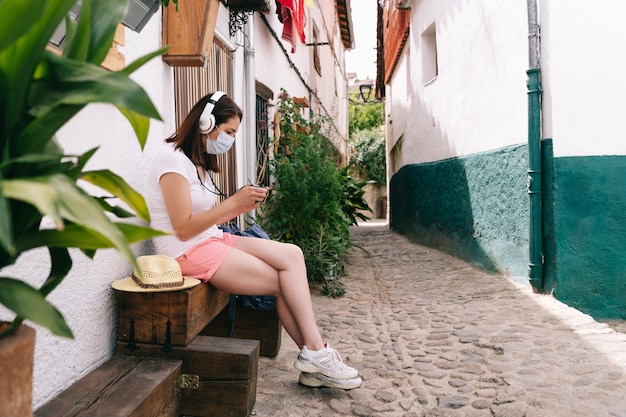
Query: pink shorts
[[205, 258]]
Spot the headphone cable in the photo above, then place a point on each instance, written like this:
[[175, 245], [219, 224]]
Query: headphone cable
[[219, 192]]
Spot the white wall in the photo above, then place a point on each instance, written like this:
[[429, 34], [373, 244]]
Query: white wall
[[478, 100], [583, 76], [273, 68], [271, 62], [85, 297]]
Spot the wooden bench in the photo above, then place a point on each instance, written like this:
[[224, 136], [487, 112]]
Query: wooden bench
[[219, 373], [168, 318], [175, 318], [168, 364], [121, 387]]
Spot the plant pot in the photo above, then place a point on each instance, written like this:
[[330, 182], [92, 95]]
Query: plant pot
[[16, 367]]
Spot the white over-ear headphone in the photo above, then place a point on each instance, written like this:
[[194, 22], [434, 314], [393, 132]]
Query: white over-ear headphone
[[207, 120]]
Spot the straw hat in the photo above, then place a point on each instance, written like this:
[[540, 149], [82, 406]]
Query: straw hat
[[160, 273]]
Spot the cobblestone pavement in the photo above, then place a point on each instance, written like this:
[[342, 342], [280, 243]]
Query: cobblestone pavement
[[433, 336]]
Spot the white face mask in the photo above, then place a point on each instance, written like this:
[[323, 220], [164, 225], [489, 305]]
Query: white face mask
[[220, 145]]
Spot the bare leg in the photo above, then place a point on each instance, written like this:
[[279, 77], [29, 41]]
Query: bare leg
[[264, 267]]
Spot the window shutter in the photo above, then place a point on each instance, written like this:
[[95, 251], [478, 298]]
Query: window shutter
[[139, 13]]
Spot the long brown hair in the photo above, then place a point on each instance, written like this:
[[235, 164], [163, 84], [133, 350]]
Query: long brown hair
[[188, 137]]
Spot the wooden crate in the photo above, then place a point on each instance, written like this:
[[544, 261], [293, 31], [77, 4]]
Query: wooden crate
[[121, 387], [219, 374], [144, 316], [263, 326]]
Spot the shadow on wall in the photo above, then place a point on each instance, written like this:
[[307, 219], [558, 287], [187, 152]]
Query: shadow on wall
[[473, 207], [434, 211]]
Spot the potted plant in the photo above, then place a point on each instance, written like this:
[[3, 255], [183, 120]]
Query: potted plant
[[40, 91]]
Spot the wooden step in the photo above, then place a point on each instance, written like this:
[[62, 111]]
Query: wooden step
[[121, 387], [219, 374]]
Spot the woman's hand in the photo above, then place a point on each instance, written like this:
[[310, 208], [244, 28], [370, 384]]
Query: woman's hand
[[250, 196], [177, 198]]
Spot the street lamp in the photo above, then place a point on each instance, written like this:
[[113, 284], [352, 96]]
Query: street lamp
[[365, 90]]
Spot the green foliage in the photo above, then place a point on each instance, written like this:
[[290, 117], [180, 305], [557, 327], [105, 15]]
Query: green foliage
[[39, 93], [167, 2], [367, 141], [333, 288], [312, 202], [365, 116], [368, 157], [354, 202]]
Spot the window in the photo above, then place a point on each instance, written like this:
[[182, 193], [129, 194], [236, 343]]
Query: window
[[430, 66], [59, 34], [262, 135], [138, 14]]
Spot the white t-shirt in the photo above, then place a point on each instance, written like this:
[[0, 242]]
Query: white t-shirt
[[167, 160]]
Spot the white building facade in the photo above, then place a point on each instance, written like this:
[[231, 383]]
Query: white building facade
[[458, 132]]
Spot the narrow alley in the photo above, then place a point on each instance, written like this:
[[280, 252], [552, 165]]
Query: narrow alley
[[433, 336]]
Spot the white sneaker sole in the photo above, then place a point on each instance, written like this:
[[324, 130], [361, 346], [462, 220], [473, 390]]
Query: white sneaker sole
[[320, 380], [312, 369]]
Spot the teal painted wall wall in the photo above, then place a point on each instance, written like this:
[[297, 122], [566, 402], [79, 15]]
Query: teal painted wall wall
[[475, 207], [590, 228]]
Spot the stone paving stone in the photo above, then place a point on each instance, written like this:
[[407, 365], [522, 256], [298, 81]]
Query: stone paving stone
[[433, 336]]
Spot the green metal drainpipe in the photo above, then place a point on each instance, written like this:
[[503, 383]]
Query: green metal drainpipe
[[534, 151]]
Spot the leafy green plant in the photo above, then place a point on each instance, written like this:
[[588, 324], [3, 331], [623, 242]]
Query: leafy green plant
[[333, 288], [368, 158], [365, 116], [40, 91], [367, 141], [354, 204], [313, 201]]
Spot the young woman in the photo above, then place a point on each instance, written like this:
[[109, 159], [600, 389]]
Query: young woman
[[182, 197]]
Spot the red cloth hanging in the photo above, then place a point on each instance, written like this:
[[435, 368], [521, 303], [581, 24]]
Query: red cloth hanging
[[291, 14]]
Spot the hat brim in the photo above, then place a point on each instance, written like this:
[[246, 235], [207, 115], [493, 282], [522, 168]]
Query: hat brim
[[128, 285]]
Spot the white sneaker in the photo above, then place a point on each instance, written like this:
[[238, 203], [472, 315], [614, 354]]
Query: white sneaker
[[320, 380], [324, 361]]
